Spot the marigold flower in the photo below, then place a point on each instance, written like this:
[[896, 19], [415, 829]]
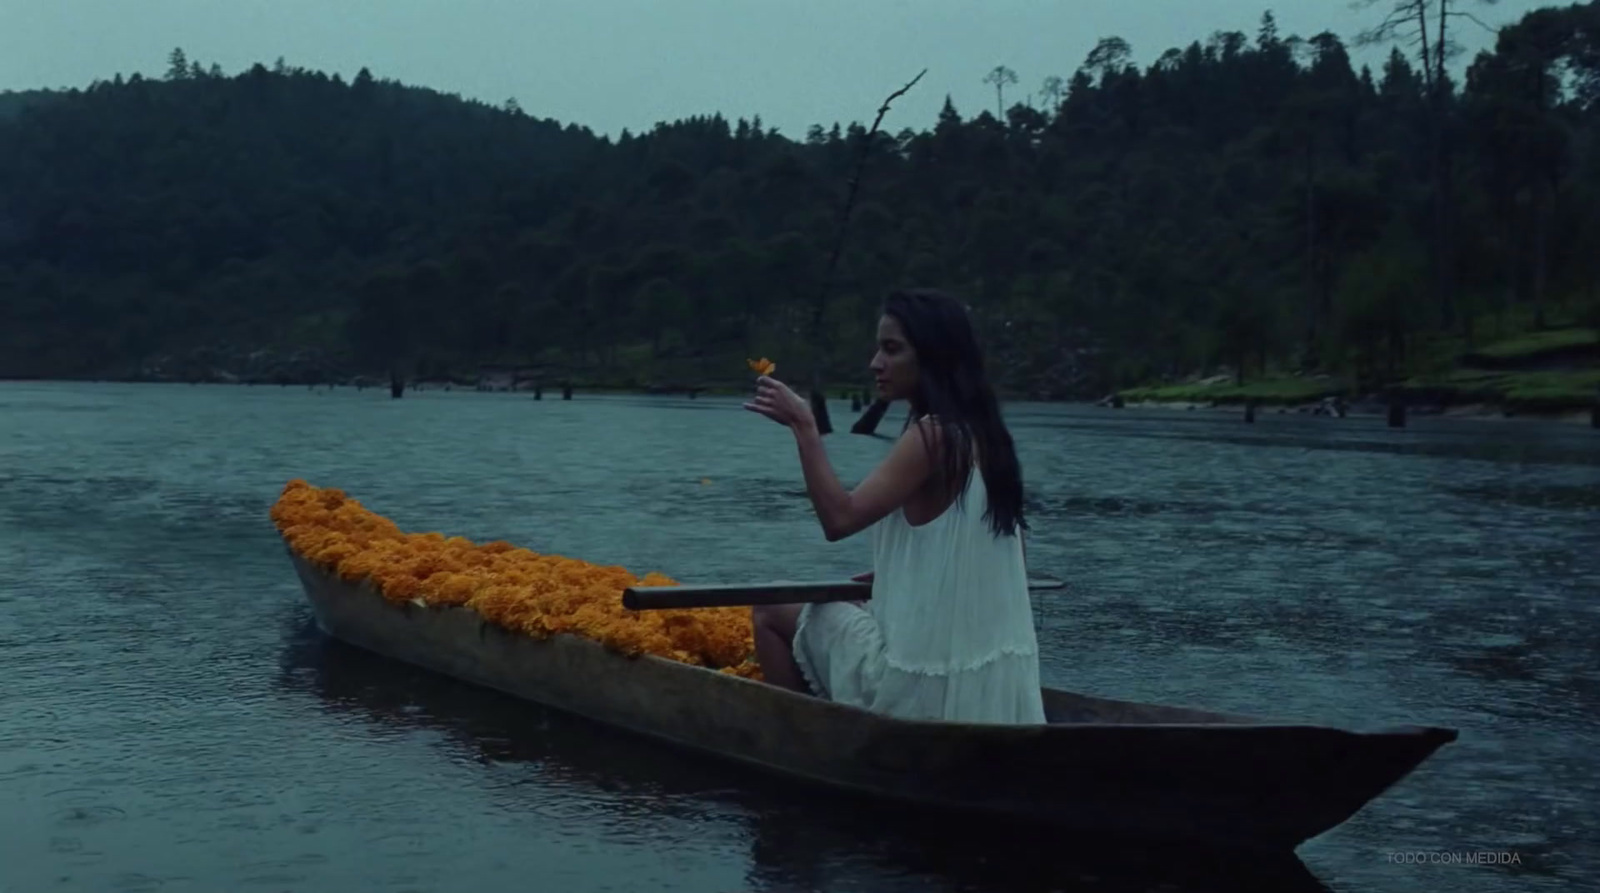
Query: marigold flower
[[512, 587], [762, 366]]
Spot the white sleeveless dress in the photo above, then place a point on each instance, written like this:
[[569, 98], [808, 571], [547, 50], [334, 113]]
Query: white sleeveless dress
[[948, 633]]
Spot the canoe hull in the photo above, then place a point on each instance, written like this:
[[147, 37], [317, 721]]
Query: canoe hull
[[1100, 766]]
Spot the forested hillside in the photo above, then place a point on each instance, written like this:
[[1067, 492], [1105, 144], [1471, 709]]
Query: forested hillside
[[1249, 203]]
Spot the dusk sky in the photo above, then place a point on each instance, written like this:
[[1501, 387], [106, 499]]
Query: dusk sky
[[610, 64]]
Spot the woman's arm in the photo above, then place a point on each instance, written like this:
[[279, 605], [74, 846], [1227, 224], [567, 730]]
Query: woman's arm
[[844, 512]]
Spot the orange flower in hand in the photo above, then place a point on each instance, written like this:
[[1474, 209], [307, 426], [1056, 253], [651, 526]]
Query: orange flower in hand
[[762, 366]]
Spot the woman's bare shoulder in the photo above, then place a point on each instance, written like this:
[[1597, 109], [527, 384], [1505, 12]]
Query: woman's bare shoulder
[[928, 429]]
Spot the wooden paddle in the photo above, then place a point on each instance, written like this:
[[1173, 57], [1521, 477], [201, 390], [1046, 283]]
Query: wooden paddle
[[725, 595]]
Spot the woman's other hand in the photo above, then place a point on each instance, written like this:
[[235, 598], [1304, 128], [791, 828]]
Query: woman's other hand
[[778, 402]]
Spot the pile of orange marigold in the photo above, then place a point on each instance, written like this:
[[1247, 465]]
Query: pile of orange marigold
[[537, 595]]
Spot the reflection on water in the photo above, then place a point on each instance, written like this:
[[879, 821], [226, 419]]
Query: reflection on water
[[168, 720], [800, 838], [1577, 498]]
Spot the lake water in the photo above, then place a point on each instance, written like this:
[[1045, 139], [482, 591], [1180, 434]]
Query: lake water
[[170, 718]]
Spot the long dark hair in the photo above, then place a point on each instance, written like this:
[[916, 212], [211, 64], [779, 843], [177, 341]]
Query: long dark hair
[[953, 387]]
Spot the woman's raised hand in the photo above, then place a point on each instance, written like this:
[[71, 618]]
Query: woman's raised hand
[[778, 402]]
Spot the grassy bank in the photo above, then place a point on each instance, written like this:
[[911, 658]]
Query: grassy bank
[[1532, 345], [1539, 392], [1267, 391], [1546, 371], [1550, 371]]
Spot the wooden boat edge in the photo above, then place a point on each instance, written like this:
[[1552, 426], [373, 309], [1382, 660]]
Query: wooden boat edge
[[1213, 720], [1383, 756]]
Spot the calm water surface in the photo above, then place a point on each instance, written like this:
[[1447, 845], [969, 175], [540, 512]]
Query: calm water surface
[[170, 719]]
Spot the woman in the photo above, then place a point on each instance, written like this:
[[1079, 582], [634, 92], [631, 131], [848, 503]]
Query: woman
[[948, 633]]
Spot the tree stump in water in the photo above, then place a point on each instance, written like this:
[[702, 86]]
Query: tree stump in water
[[538, 392], [1397, 409], [566, 392], [855, 403], [397, 385], [1250, 412], [868, 423], [819, 409]]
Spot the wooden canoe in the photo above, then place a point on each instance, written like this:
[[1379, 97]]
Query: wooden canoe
[[1099, 766]]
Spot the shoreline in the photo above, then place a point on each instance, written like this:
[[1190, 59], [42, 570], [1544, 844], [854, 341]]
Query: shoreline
[[835, 392], [1477, 411]]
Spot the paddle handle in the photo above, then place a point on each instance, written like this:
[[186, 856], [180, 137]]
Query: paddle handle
[[731, 595]]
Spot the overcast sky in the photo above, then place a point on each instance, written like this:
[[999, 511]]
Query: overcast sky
[[610, 64]]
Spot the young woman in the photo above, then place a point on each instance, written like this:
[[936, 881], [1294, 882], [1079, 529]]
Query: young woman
[[948, 633]]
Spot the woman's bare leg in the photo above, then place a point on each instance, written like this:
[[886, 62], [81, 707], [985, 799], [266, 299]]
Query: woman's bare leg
[[774, 633]]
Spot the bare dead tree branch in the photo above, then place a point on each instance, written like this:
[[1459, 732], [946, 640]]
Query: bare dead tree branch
[[838, 248], [850, 197], [1492, 29], [1400, 18]]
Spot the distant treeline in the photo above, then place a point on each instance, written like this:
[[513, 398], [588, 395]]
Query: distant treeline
[[1248, 201]]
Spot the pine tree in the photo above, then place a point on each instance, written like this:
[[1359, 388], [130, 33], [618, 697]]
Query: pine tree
[[177, 65]]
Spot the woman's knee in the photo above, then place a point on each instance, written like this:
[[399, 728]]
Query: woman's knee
[[780, 620]]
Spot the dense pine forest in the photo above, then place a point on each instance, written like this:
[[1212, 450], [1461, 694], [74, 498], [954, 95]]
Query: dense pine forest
[[1252, 208]]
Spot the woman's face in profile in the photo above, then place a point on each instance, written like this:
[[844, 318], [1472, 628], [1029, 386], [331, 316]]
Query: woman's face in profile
[[894, 366]]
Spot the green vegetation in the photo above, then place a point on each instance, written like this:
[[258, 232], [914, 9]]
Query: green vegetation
[[1553, 391], [1267, 391], [1252, 205], [1533, 344], [1526, 391]]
